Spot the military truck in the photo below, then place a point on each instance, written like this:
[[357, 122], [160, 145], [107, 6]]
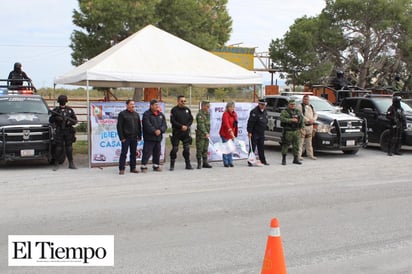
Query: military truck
[[335, 96], [25, 132]]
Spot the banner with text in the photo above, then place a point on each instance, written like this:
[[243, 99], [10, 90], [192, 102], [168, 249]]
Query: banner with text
[[242, 142], [105, 143]]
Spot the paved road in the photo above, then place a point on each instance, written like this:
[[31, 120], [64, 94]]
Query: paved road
[[339, 214]]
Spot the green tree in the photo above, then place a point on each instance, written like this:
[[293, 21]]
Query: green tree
[[373, 30], [205, 23], [307, 50], [369, 39], [103, 23]]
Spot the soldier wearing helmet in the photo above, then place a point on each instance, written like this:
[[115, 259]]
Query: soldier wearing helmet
[[63, 119], [397, 85], [396, 117], [339, 82], [17, 75]]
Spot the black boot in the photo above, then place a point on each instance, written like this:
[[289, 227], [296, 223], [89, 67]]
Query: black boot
[[172, 165], [390, 148], [398, 150], [188, 165], [205, 163], [296, 160], [71, 165], [199, 163], [284, 159]]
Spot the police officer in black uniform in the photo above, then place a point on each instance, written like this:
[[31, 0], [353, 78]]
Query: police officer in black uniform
[[339, 82], [181, 119], [16, 76], [397, 119], [256, 125], [63, 118]]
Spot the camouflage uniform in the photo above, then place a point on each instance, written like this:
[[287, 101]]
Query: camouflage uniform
[[291, 132], [202, 140]]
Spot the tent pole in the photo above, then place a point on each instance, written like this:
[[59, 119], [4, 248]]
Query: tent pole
[[190, 96], [54, 95], [88, 124]]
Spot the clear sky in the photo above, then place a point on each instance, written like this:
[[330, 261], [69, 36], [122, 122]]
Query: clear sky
[[37, 32]]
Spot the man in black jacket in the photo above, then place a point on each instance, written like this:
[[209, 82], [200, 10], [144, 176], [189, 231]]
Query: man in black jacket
[[129, 130], [181, 119], [154, 125], [256, 126]]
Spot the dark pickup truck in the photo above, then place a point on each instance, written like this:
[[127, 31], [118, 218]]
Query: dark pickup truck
[[335, 130], [25, 132], [373, 109]]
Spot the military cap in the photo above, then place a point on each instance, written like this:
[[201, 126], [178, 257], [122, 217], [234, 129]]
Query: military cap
[[291, 102], [205, 102], [262, 101]]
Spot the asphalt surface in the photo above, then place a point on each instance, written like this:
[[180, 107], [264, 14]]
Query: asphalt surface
[[338, 214]]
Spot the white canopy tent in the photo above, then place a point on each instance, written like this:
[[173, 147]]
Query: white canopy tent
[[154, 58]]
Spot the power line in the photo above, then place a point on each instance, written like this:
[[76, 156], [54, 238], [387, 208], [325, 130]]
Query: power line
[[32, 46]]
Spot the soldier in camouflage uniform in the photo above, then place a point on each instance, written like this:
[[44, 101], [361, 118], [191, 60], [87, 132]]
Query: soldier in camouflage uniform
[[292, 121], [202, 135]]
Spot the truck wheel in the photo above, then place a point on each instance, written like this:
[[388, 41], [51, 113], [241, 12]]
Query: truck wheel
[[352, 151], [384, 140]]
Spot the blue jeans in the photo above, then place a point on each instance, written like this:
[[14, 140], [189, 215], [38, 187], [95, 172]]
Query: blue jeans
[[227, 158], [132, 143]]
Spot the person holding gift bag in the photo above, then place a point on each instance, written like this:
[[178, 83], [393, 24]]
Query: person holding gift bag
[[256, 125], [229, 130]]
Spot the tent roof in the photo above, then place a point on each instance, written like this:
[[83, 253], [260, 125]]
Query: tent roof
[[154, 58]]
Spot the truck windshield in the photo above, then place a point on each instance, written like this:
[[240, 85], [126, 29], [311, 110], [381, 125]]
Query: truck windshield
[[384, 103], [321, 105], [22, 105]]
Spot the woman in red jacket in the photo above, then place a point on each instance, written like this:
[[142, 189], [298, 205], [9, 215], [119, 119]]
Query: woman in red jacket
[[228, 130]]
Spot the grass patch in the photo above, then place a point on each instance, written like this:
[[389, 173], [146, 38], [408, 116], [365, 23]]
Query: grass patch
[[80, 147]]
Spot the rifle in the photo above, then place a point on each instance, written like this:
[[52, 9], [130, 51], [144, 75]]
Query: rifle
[[64, 118]]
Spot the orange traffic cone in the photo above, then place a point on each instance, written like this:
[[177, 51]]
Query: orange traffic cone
[[274, 261]]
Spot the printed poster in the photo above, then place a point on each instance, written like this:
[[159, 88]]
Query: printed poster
[[105, 143]]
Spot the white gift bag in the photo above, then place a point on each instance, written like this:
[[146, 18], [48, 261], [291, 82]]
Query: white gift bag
[[215, 148], [228, 147], [251, 159], [242, 145]]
